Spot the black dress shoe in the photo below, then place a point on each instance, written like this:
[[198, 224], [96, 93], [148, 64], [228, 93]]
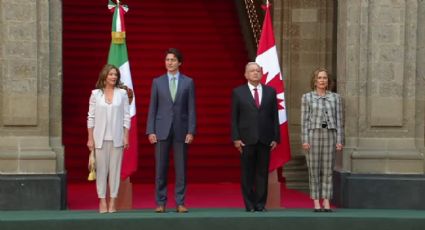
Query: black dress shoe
[[317, 210], [261, 210], [250, 210]]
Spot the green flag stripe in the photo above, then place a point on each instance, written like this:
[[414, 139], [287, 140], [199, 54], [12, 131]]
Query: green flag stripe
[[117, 54], [114, 20], [111, 4]]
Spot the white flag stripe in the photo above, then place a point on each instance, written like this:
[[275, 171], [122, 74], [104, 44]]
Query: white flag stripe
[[282, 112], [269, 62], [118, 22], [126, 79]]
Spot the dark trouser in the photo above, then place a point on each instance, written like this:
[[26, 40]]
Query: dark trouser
[[162, 152], [254, 175]]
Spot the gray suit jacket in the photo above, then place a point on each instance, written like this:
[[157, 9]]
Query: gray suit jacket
[[315, 109], [163, 112]]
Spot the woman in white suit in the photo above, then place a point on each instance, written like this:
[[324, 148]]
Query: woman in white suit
[[108, 123]]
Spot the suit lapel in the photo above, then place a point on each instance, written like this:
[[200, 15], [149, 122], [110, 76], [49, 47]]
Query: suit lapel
[[179, 86], [166, 84], [266, 95], [248, 94], [263, 95]]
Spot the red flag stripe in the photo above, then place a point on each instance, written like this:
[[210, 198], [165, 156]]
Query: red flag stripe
[[129, 162], [267, 36]]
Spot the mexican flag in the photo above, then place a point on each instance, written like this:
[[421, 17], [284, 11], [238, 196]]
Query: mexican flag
[[118, 57], [267, 58]]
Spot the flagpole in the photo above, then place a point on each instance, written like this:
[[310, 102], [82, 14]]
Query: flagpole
[[271, 66], [273, 192], [118, 56]]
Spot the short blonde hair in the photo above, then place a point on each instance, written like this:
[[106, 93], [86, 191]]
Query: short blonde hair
[[314, 77]]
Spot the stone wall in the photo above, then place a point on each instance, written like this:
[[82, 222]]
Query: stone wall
[[32, 170], [383, 93], [30, 72], [420, 78]]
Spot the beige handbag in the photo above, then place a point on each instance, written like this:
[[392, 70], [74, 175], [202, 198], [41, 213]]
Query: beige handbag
[[92, 166]]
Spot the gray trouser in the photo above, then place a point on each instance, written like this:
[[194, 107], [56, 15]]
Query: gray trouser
[[162, 152], [320, 162]]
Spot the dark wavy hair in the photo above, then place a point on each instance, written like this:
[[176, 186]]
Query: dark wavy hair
[[176, 53], [100, 84]]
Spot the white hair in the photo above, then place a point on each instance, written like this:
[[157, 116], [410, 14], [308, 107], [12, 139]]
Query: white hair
[[251, 63]]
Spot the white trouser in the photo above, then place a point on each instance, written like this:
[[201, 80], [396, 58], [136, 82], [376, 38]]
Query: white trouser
[[108, 162]]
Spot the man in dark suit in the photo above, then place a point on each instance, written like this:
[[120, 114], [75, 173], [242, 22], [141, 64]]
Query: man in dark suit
[[171, 121], [255, 132]]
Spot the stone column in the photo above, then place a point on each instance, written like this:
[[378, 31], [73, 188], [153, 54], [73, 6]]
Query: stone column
[[384, 104], [420, 78], [31, 151]]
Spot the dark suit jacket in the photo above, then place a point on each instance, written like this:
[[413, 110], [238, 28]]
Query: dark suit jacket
[[251, 124], [163, 112]]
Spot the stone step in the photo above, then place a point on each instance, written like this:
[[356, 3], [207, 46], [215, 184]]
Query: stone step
[[296, 173]]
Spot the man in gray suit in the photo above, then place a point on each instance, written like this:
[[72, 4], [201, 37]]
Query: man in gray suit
[[171, 121]]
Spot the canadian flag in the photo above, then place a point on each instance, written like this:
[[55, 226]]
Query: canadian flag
[[267, 58]]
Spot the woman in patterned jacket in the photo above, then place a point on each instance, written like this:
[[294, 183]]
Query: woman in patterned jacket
[[322, 134]]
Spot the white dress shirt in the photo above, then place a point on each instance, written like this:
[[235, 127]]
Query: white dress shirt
[[259, 90]]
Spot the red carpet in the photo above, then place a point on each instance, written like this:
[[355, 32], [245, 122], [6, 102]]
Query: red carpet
[[82, 196]]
